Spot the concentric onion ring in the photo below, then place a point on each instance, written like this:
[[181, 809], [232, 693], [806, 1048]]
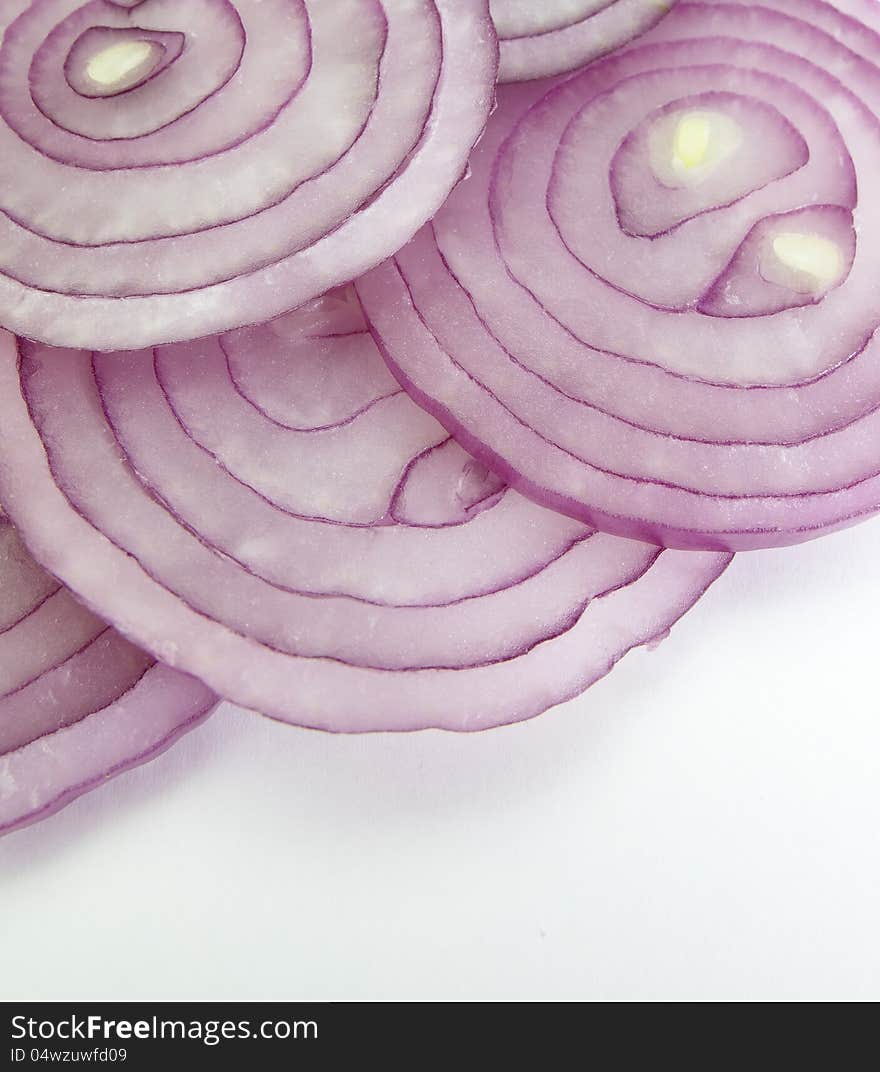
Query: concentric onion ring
[[545, 37], [169, 168], [654, 305], [269, 511], [78, 703]]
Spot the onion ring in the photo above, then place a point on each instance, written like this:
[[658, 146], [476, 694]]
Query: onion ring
[[654, 305], [172, 168], [268, 511], [78, 703], [550, 37]]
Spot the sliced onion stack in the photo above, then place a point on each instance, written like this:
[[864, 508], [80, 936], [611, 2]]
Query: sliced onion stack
[[170, 168], [269, 511], [78, 703], [654, 304], [545, 37]]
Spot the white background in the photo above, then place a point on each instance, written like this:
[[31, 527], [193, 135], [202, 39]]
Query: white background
[[702, 824]]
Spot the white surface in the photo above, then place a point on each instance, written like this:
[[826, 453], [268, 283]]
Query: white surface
[[705, 823]]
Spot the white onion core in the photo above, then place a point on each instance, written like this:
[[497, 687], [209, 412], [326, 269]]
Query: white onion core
[[116, 64], [687, 148], [805, 263]]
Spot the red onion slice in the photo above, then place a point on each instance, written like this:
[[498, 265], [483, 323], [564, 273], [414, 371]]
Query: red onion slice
[[553, 36], [78, 703], [176, 167], [654, 304], [334, 561]]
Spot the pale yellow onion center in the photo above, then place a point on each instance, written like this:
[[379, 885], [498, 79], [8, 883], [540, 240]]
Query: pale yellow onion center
[[118, 62], [693, 136], [686, 148], [816, 261]]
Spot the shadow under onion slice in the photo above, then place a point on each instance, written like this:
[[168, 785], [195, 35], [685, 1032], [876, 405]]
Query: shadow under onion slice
[[170, 168], [654, 304], [268, 510], [78, 703]]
